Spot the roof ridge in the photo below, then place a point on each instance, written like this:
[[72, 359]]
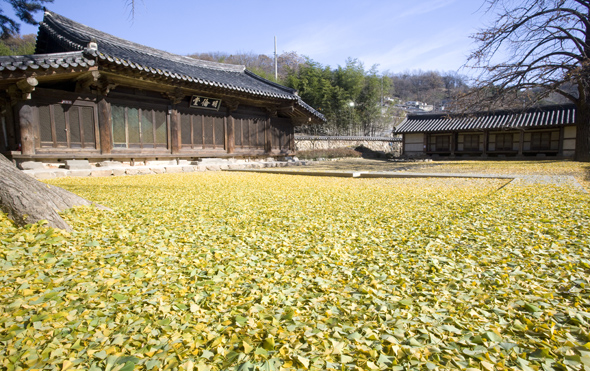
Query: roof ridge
[[58, 20], [276, 85], [43, 56], [490, 120], [507, 111]]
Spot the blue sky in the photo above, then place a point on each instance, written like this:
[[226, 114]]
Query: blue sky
[[398, 35]]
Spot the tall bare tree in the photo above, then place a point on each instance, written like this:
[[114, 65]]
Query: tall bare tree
[[541, 46]]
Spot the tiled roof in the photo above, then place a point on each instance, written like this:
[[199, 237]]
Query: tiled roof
[[45, 61], [540, 117], [73, 36]]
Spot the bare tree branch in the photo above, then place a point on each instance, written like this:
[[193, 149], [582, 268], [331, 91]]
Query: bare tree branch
[[533, 49]]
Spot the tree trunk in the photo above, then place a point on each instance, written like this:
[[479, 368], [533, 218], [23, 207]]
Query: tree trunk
[[583, 132], [26, 200]]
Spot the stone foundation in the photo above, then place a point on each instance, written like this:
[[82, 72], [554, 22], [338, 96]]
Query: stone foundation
[[115, 168]]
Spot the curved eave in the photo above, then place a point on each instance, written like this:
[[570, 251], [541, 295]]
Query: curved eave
[[44, 62], [156, 72]]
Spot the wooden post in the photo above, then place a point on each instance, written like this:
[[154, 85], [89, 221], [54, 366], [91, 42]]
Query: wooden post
[[105, 126], [521, 143], [268, 136], [292, 139], [560, 145], [27, 125], [403, 145], [11, 128], [231, 140], [453, 145], [485, 144], [174, 130]]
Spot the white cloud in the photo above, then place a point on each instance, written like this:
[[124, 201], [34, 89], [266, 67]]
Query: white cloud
[[368, 36], [444, 51], [425, 7]]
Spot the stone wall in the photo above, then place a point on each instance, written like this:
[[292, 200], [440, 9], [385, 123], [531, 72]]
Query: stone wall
[[83, 168], [307, 144]]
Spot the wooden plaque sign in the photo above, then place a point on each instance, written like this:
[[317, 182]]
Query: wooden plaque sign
[[205, 102]]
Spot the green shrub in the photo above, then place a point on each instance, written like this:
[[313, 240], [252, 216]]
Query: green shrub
[[370, 153]]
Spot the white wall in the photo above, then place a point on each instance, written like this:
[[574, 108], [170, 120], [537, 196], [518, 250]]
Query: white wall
[[414, 144], [569, 141]]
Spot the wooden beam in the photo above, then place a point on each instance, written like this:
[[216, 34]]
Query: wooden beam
[[105, 86], [27, 86], [22, 89], [85, 81], [40, 74], [297, 121], [272, 111], [232, 104], [175, 96]]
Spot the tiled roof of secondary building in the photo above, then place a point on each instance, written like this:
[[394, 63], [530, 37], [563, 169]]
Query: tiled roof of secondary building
[[540, 117], [73, 36], [45, 61]]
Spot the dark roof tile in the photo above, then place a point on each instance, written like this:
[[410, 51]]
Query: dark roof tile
[[507, 119], [74, 36], [45, 61]]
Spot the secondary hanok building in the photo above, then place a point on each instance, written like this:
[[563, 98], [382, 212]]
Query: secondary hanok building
[[543, 131], [86, 94]]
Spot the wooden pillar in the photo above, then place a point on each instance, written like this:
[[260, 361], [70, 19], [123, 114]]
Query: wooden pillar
[[403, 149], [485, 144], [27, 128], [520, 143], [105, 126], [453, 141], [268, 136], [11, 131], [291, 139], [561, 135], [3, 133], [175, 142], [231, 139]]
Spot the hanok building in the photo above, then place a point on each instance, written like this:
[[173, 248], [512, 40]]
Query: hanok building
[[544, 131], [89, 95]]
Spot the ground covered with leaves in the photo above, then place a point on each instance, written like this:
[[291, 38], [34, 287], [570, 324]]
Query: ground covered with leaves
[[580, 170], [239, 271]]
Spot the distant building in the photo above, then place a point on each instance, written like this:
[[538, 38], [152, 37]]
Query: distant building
[[547, 131], [416, 107]]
